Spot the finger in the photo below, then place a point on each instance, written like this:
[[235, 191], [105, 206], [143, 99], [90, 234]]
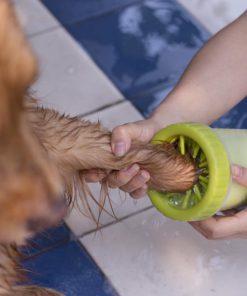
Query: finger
[[93, 175], [121, 139], [239, 174], [123, 135], [120, 178], [139, 180], [198, 228], [139, 192], [220, 227]]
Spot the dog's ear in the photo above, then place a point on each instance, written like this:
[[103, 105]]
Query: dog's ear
[[18, 65]]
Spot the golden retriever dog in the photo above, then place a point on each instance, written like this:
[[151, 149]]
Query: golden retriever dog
[[43, 156]]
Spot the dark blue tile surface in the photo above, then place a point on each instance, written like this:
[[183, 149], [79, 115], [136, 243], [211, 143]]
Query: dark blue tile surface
[[70, 11], [143, 45], [235, 118], [46, 240], [70, 270], [147, 102]]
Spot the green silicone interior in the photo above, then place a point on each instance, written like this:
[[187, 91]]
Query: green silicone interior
[[205, 198]]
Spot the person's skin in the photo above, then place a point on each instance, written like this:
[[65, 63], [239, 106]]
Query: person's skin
[[214, 81]]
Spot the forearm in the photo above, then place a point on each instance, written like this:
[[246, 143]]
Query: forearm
[[213, 83]]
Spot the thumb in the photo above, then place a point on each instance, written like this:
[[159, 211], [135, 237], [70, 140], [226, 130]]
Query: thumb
[[239, 174], [123, 135]]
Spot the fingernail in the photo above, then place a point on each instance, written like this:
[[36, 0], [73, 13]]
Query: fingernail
[[119, 148], [145, 187], [145, 175], [236, 171], [133, 169]]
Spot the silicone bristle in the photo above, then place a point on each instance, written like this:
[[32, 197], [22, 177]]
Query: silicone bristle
[[173, 140], [203, 179], [203, 164], [186, 199], [197, 193], [182, 145], [196, 150]]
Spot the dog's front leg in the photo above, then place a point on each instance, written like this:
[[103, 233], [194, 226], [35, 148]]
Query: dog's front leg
[[74, 145]]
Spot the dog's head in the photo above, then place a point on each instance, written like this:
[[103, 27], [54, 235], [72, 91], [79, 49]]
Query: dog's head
[[30, 188]]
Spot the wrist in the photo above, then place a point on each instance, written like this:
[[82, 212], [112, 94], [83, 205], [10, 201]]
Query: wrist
[[168, 112], [183, 104]]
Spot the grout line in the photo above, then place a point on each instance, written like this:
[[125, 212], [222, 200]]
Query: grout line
[[70, 237], [99, 269], [102, 108], [195, 19], [64, 25], [148, 92], [80, 236], [44, 31], [96, 15]]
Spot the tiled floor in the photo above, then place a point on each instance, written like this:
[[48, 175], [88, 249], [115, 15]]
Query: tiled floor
[[94, 54], [215, 14], [34, 17], [150, 255]]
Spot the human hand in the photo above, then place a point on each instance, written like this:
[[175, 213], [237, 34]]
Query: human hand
[[233, 224], [132, 179]]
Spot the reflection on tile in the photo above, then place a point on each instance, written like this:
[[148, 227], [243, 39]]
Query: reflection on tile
[[149, 254], [47, 239], [215, 14], [69, 80], [122, 204], [69, 270], [34, 17], [142, 45], [70, 11]]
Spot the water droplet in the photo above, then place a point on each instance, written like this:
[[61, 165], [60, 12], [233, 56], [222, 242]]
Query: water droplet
[[71, 70]]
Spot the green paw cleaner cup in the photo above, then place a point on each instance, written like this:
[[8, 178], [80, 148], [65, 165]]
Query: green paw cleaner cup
[[213, 151]]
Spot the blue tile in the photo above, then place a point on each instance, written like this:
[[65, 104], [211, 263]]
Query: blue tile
[[70, 270], [141, 46], [235, 118], [147, 102], [70, 11], [47, 240]]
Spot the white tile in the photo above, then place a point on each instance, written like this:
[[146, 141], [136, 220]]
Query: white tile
[[34, 16], [148, 254], [215, 14], [69, 80], [123, 205], [121, 113]]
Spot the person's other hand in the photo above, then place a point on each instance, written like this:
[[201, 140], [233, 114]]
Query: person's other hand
[[132, 179], [233, 224]]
